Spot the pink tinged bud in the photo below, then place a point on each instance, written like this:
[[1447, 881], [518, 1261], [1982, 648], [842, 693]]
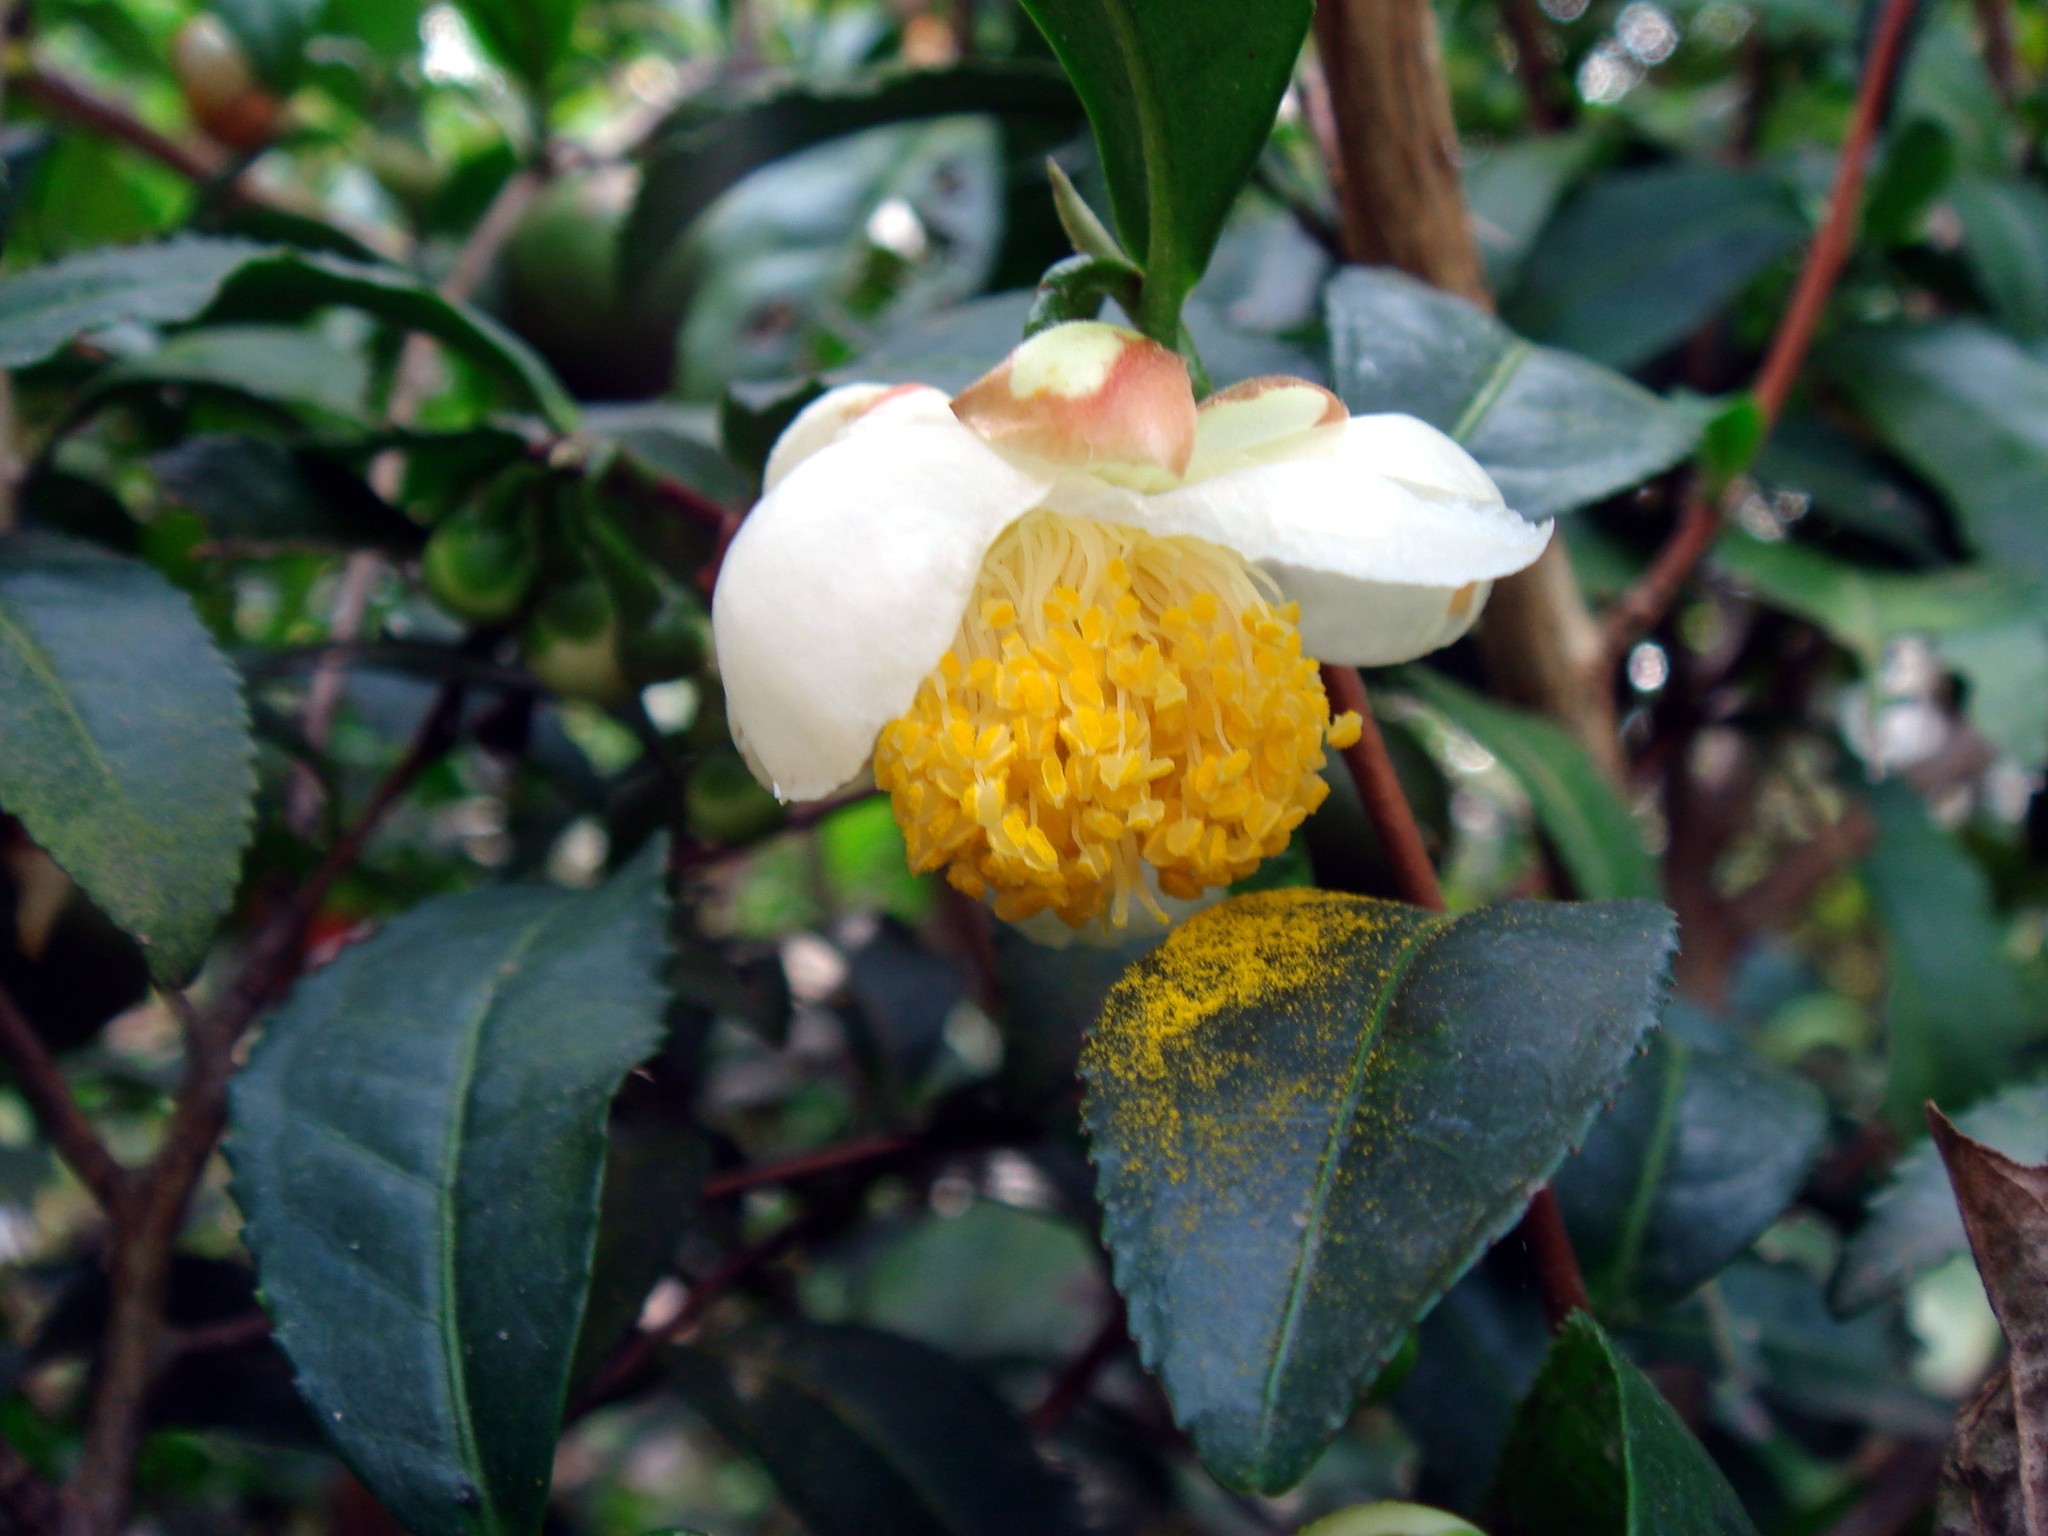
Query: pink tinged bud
[[1089, 396]]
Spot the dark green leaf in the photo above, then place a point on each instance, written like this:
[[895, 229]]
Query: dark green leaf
[[274, 34], [124, 743], [1274, 1099], [1639, 259], [252, 488], [1182, 99], [1914, 1226], [418, 1148], [867, 1434], [1595, 835], [1851, 486], [1705, 1148], [1967, 408], [1596, 1451], [1918, 161], [1513, 191], [1555, 431], [46, 307], [709, 146], [529, 37], [1984, 622], [1769, 1326], [2005, 240], [1956, 1014], [282, 364]]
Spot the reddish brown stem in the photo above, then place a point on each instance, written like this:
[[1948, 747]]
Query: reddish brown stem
[[1557, 1266], [1830, 248], [1645, 603], [1638, 609], [1071, 1386], [848, 1154], [79, 104], [1558, 1278], [49, 1096], [1372, 770], [1523, 21], [147, 1218]]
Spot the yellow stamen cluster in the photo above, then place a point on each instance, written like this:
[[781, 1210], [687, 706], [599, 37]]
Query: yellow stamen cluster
[[1114, 703]]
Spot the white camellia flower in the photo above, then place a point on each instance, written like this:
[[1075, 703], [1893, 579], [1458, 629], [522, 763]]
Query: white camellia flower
[[1069, 615]]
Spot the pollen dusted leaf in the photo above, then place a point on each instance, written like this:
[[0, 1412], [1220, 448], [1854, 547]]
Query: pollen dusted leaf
[[1556, 431], [1182, 99], [1310, 1112], [418, 1146], [124, 742], [1596, 1451]]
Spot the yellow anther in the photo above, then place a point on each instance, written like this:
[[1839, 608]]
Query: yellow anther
[[1346, 729], [1119, 712]]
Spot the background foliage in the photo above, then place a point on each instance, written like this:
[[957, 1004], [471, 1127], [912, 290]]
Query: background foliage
[[639, 1154]]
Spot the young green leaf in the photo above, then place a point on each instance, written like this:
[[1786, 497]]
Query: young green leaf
[[124, 742], [1963, 404], [1957, 1013], [1310, 1112], [529, 37], [418, 1146], [1595, 835], [1555, 431], [1182, 99], [1596, 1451], [708, 146], [868, 1434], [1638, 259], [46, 307], [1704, 1149]]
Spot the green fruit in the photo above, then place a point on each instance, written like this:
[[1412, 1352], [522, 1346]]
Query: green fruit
[[572, 642], [671, 640], [558, 287], [481, 561], [725, 805]]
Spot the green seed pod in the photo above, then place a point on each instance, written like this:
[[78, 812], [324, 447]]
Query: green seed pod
[[571, 643], [482, 559]]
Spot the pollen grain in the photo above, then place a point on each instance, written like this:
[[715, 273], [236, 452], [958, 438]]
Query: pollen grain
[[1120, 713]]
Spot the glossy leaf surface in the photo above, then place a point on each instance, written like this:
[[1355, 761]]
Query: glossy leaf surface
[[1309, 1112], [124, 742], [418, 1146], [1554, 430]]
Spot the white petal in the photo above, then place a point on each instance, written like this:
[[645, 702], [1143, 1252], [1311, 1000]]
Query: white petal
[[845, 586], [838, 411], [1377, 540]]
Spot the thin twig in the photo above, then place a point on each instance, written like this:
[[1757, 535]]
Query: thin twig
[[1534, 67], [1072, 1384], [27, 1501], [1644, 604], [1372, 770], [1557, 1266], [627, 1367], [84, 107], [43, 1084], [849, 1154], [147, 1219]]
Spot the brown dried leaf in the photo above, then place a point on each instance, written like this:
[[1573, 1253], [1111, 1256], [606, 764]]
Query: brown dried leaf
[[1997, 1469]]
